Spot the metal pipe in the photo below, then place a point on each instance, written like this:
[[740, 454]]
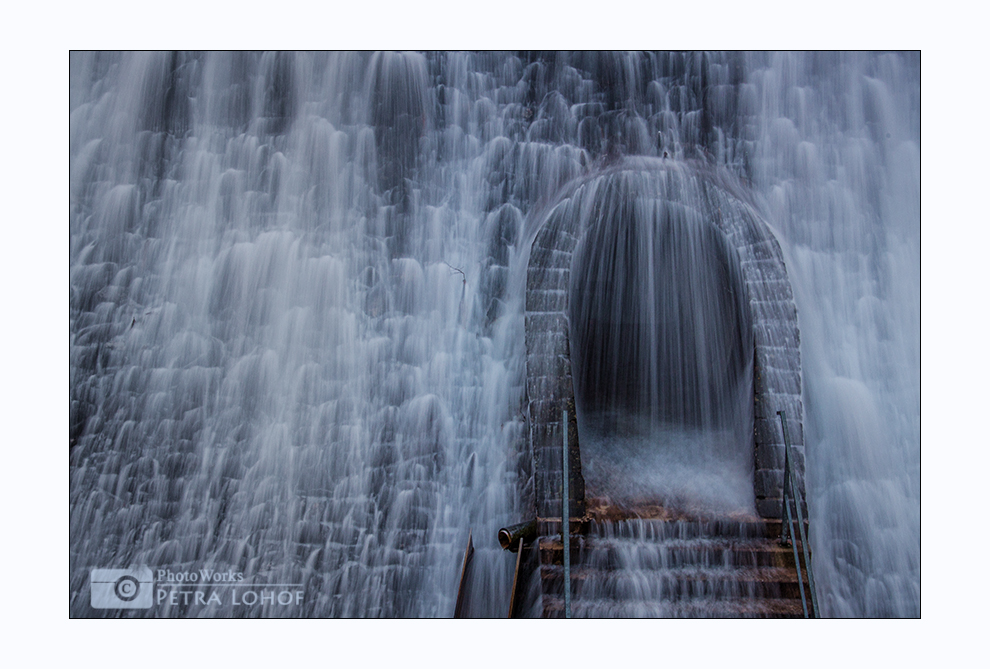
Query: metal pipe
[[509, 537], [565, 526]]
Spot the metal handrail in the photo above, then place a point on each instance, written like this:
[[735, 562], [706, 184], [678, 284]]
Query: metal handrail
[[565, 526], [789, 479], [462, 585], [514, 597]]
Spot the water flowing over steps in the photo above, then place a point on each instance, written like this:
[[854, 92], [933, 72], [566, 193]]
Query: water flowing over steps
[[636, 568]]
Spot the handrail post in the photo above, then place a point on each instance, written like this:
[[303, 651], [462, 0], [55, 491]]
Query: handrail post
[[790, 521], [565, 526], [785, 528], [513, 600], [468, 553]]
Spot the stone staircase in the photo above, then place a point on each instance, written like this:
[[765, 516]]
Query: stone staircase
[[672, 568]]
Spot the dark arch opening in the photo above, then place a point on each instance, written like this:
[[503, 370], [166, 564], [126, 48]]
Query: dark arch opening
[[661, 353]]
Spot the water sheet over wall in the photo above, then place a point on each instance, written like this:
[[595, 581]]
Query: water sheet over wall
[[297, 350]]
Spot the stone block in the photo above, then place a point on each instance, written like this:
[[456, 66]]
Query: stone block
[[542, 256], [554, 229], [798, 483], [776, 382], [564, 241], [767, 249], [778, 357], [773, 310], [737, 237], [547, 365], [769, 290], [774, 508], [551, 508], [545, 418], [795, 432], [768, 431], [576, 491], [544, 300], [546, 343], [550, 488], [547, 278], [770, 456], [769, 508], [776, 334], [549, 482], [546, 323], [763, 270], [549, 458], [542, 387], [797, 459], [767, 406], [768, 483]]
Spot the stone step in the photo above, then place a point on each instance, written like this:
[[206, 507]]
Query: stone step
[[686, 529], [664, 528], [671, 555], [604, 553], [661, 565], [553, 607], [668, 584]]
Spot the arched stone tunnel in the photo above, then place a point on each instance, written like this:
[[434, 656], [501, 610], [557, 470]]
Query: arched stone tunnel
[[768, 320]]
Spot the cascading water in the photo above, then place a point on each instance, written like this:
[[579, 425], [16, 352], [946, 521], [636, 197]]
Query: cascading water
[[838, 160], [297, 346], [662, 345]]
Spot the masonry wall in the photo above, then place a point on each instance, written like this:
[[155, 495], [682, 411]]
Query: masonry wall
[[549, 384]]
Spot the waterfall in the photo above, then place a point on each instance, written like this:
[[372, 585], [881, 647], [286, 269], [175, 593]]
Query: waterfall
[[839, 164], [297, 294], [661, 342]]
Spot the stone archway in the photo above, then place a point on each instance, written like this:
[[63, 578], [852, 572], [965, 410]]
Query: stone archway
[[775, 335]]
